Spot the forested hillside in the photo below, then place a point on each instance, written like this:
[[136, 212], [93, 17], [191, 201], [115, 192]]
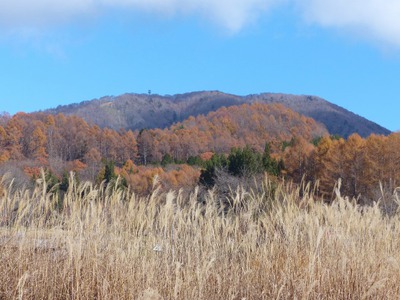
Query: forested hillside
[[227, 128], [236, 141], [139, 111]]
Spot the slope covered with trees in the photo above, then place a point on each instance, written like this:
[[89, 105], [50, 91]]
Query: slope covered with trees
[[368, 168], [227, 128], [62, 143], [138, 111], [59, 142], [240, 140]]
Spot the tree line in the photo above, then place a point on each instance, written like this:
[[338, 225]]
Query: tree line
[[242, 140]]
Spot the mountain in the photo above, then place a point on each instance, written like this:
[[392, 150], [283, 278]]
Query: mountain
[[138, 111]]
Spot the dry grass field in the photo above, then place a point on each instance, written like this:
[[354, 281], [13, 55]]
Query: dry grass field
[[278, 243]]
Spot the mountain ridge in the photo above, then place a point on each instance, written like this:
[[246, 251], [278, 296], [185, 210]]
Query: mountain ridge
[[138, 111]]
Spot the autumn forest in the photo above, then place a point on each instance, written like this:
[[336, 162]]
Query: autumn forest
[[253, 201], [181, 155]]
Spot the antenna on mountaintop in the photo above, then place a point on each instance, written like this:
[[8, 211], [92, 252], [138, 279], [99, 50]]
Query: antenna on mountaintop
[[149, 92]]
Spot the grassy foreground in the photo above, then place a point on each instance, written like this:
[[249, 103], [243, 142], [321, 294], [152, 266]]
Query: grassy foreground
[[103, 243]]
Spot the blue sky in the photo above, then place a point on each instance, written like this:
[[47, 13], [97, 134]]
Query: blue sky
[[55, 52]]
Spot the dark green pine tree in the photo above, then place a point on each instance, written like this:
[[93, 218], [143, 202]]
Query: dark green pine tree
[[109, 172], [207, 176], [244, 162], [271, 165]]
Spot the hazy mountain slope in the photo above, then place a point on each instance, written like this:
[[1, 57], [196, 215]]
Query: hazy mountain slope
[[137, 111], [336, 119]]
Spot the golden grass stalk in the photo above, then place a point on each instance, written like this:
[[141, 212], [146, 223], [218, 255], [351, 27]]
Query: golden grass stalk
[[277, 243]]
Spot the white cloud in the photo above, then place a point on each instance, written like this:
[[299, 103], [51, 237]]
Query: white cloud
[[232, 14], [37, 13], [372, 19], [376, 19]]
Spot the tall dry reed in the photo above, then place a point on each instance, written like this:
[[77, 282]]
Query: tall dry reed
[[279, 243]]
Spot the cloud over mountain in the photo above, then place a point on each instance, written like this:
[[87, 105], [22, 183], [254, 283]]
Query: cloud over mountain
[[376, 19], [231, 14], [26, 13]]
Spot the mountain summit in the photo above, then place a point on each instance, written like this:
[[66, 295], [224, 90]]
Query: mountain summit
[[138, 111]]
